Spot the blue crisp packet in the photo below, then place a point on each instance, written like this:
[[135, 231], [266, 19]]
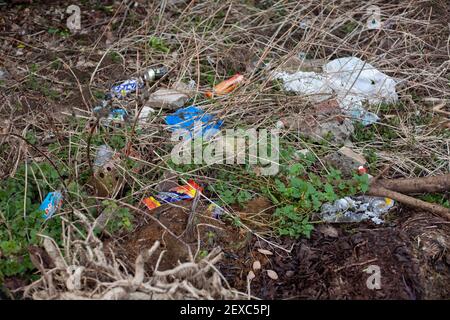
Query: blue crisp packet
[[118, 114], [51, 204], [186, 118], [126, 87]]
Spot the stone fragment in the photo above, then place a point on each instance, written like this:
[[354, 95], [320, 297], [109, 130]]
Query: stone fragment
[[346, 160], [167, 99]]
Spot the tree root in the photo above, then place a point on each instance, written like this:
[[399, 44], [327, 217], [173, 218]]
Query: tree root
[[417, 185], [89, 273], [397, 188], [378, 191]]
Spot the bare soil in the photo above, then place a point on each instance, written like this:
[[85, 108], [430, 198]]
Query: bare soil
[[412, 255]]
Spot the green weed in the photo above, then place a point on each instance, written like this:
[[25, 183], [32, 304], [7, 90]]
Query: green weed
[[158, 44], [20, 219], [60, 32]]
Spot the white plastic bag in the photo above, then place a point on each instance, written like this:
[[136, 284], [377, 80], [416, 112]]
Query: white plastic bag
[[351, 80]]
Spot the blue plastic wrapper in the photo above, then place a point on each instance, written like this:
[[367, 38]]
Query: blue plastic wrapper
[[168, 197], [125, 88], [217, 212], [118, 114], [101, 107], [367, 118], [187, 118], [51, 204]]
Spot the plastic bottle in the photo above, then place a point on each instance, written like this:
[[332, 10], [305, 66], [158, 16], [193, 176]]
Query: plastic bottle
[[380, 205], [104, 154], [225, 86], [129, 86]]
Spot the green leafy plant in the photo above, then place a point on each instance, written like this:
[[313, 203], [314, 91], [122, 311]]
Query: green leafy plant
[[115, 57], [158, 44], [59, 32], [437, 198], [20, 219], [349, 27], [117, 141], [44, 87], [299, 192], [233, 191], [120, 218], [292, 223], [202, 254]]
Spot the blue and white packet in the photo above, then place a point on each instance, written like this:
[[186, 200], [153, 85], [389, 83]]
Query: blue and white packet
[[125, 88], [194, 120], [51, 204]]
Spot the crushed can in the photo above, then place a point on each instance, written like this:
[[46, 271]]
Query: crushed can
[[153, 74], [132, 85], [51, 204], [106, 180], [216, 211]]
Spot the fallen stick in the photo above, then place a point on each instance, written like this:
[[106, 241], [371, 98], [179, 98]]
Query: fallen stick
[[439, 107], [417, 185], [380, 191]]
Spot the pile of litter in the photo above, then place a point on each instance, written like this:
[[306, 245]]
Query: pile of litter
[[356, 209], [349, 81], [191, 121]]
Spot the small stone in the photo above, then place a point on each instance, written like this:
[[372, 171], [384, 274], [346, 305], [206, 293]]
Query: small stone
[[339, 130], [256, 265], [110, 39], [346, 160], [5, 126], [327, 108], [145, 115], [301, 153], [289, 273], [272, 274], [329, 231], [266, 252], [15, 27], [3, 74], [167, 99], [82, 63]]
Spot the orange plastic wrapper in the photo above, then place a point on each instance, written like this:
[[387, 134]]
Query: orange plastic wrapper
[[225, 86], [186, 192]]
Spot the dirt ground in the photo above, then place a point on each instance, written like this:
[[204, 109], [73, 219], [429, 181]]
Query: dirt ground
[[412, 255]]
